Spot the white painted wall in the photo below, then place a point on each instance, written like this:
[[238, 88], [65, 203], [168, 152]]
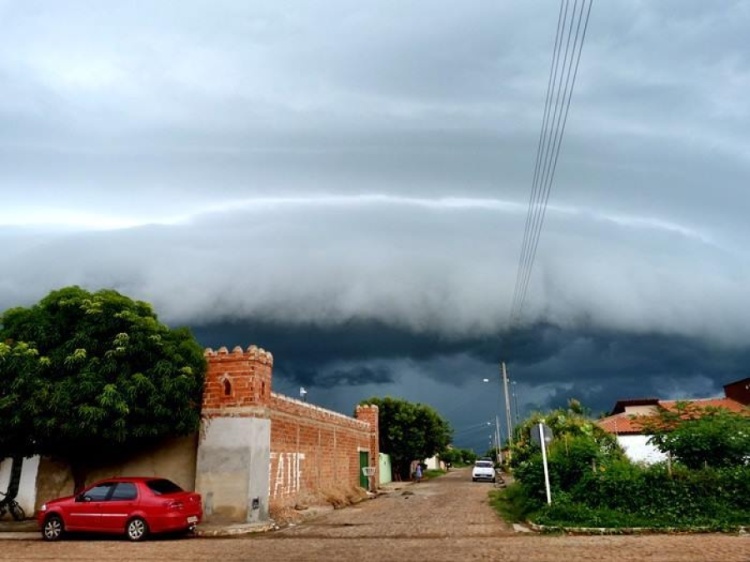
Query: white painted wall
[[385, 471], [232, 468], [638, 449], [27, 487], [434, 463]]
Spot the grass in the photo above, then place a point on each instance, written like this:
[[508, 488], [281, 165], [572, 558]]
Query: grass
[[432, 473], [511, 503]]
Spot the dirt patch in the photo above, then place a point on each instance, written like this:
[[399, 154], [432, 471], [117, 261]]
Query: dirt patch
[[298, 509]]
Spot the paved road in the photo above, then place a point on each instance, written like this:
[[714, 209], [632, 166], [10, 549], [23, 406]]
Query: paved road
[[447, 519]]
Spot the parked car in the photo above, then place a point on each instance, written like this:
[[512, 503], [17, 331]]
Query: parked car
[[133, 506], [483, 470]]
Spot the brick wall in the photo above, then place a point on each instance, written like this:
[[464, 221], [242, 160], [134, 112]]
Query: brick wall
[[312, 449]]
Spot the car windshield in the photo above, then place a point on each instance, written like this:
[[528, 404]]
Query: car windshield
[[163, 486], [484, 464]]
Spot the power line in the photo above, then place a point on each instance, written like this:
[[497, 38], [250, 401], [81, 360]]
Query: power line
[[554, 120]]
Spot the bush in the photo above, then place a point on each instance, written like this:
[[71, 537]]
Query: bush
[[653, 497], [513, 503]]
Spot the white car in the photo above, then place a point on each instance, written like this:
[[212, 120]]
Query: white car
[[483, 470]]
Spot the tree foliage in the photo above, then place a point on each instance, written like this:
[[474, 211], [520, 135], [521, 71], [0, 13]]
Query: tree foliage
[[409, 431], [90, 376], [701, 437], [456, 456], [566, 424], [579, 447]]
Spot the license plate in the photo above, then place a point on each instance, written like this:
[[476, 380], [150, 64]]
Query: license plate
[[192, 519]]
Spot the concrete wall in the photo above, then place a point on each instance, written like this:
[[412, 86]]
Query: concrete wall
[[386, 471], [174, 459], [232, 468], [434, 463], [26, 496]]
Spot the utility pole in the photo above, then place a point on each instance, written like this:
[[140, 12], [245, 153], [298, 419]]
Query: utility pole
[[507, 409], [498, 454]]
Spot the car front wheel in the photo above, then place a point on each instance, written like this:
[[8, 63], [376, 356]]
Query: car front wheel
[[137, 529], [53, 528]]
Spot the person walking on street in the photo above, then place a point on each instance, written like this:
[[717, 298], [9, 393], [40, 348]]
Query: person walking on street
[[418, 472]]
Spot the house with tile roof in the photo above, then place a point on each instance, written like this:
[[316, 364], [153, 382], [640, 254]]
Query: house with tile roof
[[624, 422]]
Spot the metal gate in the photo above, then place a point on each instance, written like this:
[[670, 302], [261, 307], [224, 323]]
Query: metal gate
[[364, 462]]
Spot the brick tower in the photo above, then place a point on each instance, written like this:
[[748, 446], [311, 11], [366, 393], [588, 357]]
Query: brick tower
[[369, 413], [235, 445]]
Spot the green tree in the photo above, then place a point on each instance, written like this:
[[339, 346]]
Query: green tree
[[20, 369], [700, 437], [578, 448], [566, 424], [458, 457], [91, 377], [409, 431]]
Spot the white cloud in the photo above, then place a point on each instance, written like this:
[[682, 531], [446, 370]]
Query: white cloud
[[343, 160]]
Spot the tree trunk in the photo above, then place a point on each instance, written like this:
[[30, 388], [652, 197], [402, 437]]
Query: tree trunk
[[15, 477], [79, 472]]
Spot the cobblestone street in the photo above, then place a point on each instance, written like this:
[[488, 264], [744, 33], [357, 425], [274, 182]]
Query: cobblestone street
[[441, 520]]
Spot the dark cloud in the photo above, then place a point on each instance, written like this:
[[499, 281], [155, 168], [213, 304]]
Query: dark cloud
[[548, 364]]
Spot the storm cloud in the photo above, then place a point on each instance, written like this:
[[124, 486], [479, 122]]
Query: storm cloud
[[347, 184]]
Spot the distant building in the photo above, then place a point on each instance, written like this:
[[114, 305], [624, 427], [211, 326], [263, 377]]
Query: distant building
[[624, 424]]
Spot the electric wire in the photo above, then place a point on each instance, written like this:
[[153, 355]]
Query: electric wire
[[548, 177], [522, 260], [561, 81]]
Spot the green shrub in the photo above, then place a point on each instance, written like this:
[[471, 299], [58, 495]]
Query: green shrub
[[513, 503]]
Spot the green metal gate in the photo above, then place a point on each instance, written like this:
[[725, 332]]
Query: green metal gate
[[363, 462]]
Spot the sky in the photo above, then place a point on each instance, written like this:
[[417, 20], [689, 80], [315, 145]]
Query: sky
[[345, 184]]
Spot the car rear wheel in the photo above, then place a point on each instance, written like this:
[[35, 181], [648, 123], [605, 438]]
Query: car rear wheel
[[53, 528], [137, 529]]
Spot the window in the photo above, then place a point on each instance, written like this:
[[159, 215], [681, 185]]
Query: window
[[124, 491], [160, 487], [227, 387], [98, 493]]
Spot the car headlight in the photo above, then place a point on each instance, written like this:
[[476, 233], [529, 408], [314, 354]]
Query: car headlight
[[44, 507]]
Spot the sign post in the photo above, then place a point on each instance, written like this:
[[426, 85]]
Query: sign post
[[542, 437]]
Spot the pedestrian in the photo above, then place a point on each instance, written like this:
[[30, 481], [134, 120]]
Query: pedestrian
[[418, 472]]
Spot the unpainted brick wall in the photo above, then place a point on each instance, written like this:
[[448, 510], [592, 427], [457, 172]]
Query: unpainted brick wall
[[313, 449]]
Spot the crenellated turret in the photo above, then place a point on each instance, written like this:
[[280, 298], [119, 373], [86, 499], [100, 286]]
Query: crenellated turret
[[237, 380]]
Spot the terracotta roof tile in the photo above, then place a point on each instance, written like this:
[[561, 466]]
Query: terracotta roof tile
[[728, 403], [628, 424], [620, 424]]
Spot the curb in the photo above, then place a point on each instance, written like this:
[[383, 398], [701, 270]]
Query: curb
[[234, 530], [20, 536], [632, 530]]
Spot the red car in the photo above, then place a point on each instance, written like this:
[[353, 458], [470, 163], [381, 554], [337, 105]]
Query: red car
[[134, 506]]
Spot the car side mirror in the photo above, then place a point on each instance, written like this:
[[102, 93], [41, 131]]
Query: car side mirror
[[83, 498]]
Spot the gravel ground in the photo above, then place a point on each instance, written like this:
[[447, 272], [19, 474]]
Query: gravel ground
[[447, 519]]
